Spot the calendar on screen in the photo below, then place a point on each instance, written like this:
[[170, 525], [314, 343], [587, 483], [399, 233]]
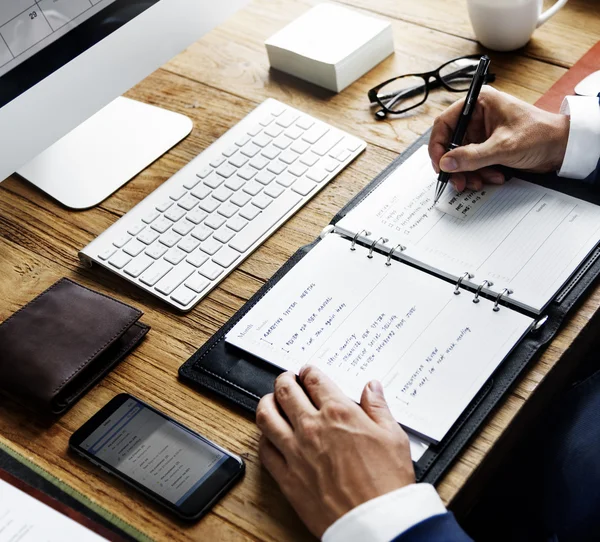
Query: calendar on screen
[[27, 26]]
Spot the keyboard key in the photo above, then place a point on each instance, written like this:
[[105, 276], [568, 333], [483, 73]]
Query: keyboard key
[[191, 182], [170, 239], [304, 186], [317, 174], [214, 221], [188, 202], [286, 179], [262, 201], [230, 151], [309, 159], [238, 160], [271, 152], [300, 146], [107, 253], [217, 161], [259, 162], [305, 122], [162, 207], [297, 169], [226, 170], [327, 143], [175, 213], [247, 173], [227, 209], [211, 246], [196, 216], [213, 180], [235, 183], [242, 140], [202, 232], [252, 188], [352, 144], [197, 282], [134, 247], [283, 142], [344, 155], [189, 244], [240, 198], [121, 241], [264, 177], [288, 157], [209, 204], [148, 236], [222, 193], [329, 165], [204, 172], [262, 140], [266, 120], [224, 234], [237, 223], [254, 131], [288, 118], [250, 212], [276, 109], [183, 295], [155, 272], [264, 222], [211, 270], [161, 225], [183, 227], [294, 132], [136, 267], [277, 166], [136, 228], [173, 279], [175, 256], [315, 133], [250, 150], [201, 191], [226, 257], [119, 260], [197, 258], [177, 194], [156, 251], [151, 216], [273, 131], [274, 190]]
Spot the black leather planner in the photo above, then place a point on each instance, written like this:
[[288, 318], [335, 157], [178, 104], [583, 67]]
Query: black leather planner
[[243, 379]]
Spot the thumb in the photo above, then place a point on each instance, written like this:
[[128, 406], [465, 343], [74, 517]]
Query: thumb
[[471, 157], [374, 404]]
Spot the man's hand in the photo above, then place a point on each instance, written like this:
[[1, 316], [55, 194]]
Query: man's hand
[[503, 131], [328, 454]]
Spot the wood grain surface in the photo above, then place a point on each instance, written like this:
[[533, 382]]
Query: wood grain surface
[[216, 82]]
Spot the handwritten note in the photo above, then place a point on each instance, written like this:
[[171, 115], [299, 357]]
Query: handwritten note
[[465, 204], [359, 320]]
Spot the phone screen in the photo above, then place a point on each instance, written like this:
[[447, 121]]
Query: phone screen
[[155, 452]]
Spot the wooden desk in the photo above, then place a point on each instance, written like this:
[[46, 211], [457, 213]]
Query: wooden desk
[[216, 82]]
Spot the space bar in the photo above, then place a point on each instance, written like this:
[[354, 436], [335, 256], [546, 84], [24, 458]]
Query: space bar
[[264, 221]]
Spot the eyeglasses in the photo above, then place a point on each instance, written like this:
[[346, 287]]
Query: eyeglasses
[[406, 92]]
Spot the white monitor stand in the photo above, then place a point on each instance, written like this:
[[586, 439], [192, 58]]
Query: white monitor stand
[[107, 150]]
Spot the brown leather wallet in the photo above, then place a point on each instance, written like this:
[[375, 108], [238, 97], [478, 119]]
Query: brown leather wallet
[[60, 344]]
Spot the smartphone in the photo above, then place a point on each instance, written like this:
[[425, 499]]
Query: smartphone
[[157, 455]]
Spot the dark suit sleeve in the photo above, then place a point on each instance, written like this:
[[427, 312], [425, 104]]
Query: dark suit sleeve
[[440, 528]]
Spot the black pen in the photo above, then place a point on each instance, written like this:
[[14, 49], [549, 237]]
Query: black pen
[[464, 119]]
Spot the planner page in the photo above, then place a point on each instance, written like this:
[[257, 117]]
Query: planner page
[[520, 236], [359, 319]]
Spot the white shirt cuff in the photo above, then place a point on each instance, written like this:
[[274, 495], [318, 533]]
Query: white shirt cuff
[[583, 146], [384, 518]]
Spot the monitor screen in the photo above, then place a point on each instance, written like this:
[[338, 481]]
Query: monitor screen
[[39, 37]]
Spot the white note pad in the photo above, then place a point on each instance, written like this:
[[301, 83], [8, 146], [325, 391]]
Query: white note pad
[[520, 235], [359, 319]]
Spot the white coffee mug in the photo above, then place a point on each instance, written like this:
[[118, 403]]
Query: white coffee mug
[[505, 25]]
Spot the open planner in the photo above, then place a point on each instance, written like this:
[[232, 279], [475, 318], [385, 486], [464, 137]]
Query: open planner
[[427, 299]]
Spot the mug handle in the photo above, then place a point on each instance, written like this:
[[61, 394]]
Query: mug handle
[[550, 12]]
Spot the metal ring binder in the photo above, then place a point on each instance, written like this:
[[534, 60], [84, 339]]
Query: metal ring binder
[[367, 233], [481, 287], [464, 276], [389, 258], [382, 239], [506, 291]]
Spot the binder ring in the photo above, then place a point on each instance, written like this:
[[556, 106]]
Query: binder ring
[[463, 277], [384, 240], [367, 233], [507, 292], [481, 287], [389, 258]]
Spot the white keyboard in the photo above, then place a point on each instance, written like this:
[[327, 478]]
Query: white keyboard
[[185, 237]]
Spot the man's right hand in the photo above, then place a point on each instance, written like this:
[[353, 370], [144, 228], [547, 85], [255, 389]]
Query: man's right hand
[[503, 131]]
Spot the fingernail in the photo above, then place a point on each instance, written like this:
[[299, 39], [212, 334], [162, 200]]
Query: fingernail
[[376, 387], [435, 167], [302, 370], [448, 164], [496, 179]]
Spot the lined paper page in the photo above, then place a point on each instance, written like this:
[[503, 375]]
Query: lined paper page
[[358, 320], [519, 235]]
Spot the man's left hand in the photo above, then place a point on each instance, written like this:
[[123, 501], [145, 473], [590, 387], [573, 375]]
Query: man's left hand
[[327, 453]]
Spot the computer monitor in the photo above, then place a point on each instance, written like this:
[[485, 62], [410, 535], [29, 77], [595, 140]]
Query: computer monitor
[[61, 61]]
